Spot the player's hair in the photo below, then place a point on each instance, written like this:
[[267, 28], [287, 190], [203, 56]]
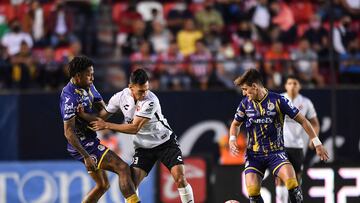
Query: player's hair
[[78, 64], [249, 77], [294, 77], [139, 77]]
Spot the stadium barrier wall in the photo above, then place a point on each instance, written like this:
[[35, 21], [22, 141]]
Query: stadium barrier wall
[[59, 182], [32, 128]]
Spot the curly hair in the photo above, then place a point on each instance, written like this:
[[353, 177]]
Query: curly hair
[[79, 64]]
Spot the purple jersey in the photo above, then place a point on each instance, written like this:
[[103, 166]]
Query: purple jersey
[[71, 96], [264, 122]]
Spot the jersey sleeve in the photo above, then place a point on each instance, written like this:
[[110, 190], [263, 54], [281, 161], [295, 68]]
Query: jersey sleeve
[[68, 105], [240, 112], [310, 113], [97, 95], [147, 109], [286, 107], [114, 103]]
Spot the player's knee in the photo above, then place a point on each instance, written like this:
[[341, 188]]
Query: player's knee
[[295, 195], [253, 190], [103, 187], [122, 168], [291, 183], [180, 181]]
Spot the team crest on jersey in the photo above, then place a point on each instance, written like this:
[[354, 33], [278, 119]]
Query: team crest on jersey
[[101, 147], [271, 106]]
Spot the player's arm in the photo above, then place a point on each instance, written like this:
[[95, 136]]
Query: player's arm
[[316, 125], [100, 107], [320, 150], [234, 131], [131, 128]]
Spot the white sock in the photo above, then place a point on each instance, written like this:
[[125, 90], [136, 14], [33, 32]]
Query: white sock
[[282, 194], [186, 194]]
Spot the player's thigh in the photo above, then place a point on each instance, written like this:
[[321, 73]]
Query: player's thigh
[[112, 162], [286, 172], [137, 175], [171, 156], [144, 159], [100, 178]]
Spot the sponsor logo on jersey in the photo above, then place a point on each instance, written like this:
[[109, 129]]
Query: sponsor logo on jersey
[[93, 156], [89, 144], [67, 99], [126, 106], [261, 120], [271, 106]]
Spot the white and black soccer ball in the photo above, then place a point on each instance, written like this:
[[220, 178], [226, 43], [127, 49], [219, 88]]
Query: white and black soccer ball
[[232, 201]]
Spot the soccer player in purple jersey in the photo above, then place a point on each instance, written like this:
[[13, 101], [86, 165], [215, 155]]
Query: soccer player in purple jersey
[[82, 142], [263, 113]]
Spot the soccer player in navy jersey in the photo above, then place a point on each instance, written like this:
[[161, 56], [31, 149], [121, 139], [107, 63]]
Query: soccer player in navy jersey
[[82, 142], [263, 113]]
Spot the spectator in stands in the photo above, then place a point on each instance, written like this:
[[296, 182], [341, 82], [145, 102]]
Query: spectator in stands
[[135, 38], [187, 37], [13, 39], [227, 66], [284, 18], [213, 39], [343, 35], [51, 74], [126, 21], [5, 68], [4, 28], [200, 65], [145, 59], [261, 18], [177, 16], [243, 33], [209, 16], [316, 34], [306, 64], [34, 23], [160, 37], [276, 65], [60, 25], [23, 67], [172, 69], [350, 64], [249, 57]]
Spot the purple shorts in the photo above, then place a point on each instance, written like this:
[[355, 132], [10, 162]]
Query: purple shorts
[[258, 163], [96, 151]]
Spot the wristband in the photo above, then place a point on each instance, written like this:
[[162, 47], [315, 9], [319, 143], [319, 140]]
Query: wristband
[[316, 141], [232, 138]]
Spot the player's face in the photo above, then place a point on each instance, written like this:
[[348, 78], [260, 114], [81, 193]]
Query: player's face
[[85, 78], [139, 91], [250, 91], [292, 86]]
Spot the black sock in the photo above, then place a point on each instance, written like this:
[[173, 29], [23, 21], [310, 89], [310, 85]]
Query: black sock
[[256, 199], [295, 195]]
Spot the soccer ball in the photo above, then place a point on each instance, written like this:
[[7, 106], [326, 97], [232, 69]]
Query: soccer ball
[[232, 201]]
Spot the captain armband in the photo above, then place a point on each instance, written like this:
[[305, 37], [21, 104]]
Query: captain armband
[[316, 141]]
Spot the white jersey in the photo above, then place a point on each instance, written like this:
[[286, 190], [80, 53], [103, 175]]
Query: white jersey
[[153, 133], [294, 133]]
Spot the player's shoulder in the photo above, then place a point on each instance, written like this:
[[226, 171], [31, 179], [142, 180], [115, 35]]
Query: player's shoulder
[[125, 93], [68, 90], [305, 99], [151, 97]]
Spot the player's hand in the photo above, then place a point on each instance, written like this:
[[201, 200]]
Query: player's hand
[[90, 164], [234, 148], [322, 153], [99, 124]]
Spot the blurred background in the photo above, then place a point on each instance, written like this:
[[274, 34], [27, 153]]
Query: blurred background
[[192, 50]]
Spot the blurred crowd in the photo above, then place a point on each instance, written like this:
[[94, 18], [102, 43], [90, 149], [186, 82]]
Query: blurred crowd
[[201, 44]]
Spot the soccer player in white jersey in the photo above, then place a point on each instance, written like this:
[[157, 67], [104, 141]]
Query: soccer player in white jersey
[[153, 138], [294, 135]]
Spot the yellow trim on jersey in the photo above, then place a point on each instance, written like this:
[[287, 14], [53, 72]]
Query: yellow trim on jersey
[[102, 157], [262, 132], [257, 170], [282, 163], [243, 106], [256, 144], [281, 118], [92, 96]]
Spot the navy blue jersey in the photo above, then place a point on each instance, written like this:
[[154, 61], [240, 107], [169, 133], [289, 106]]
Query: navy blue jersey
[[71, 96], [264, 121]]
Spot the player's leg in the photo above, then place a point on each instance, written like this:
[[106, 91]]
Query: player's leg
[[282, 194], [287, 174], [102, 185], [253, 186], [111, 162], [137, 175], [170, 155]]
